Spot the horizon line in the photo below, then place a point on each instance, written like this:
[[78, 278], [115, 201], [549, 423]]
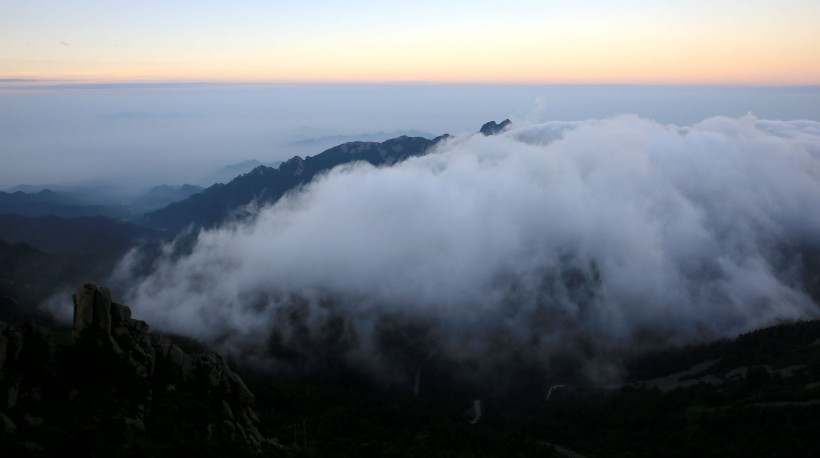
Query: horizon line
[[28, 83]]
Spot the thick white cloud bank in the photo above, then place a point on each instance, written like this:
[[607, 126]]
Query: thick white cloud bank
[[607, 229]]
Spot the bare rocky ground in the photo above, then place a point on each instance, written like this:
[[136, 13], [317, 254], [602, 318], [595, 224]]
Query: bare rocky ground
[[111, 387]]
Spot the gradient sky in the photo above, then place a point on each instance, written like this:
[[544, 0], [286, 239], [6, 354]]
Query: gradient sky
[[548, 41]]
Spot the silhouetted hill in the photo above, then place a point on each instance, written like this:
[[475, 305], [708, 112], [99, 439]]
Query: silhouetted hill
[[40, 256], [164, 195], [57, 235], [23, 269], [754, 395], [47, 202], [229, 172], [332, 140], [263, 184]]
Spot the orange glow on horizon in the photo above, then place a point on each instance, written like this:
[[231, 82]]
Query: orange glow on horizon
[[772, 46]]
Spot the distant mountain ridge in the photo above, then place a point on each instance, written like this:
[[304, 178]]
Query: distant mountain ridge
[[229, 172], [59, 235], [63, 201], [266, 184], [47, 202], [330, 140], [164, 195]]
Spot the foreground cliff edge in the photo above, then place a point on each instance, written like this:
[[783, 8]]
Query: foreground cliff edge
[[113, 388]]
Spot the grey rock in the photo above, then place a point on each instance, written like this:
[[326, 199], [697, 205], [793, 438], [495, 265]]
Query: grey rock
[[241, 392], [226, 409], [133, 424], [137, 326], [137, 369], [84, 307], [102, 310], [33, 447], [123, 338], [140, 360], [162, 344], [120, 314], [8, 426], [178, 363], [10, 396], [35, 394], [175, 356], [4, 343], [92, 309], [114, 346], [15, 345], [33, 421]]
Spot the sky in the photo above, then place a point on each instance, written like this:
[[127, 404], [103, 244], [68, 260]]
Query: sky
[[147, 93], [137, 136], [522, 41]]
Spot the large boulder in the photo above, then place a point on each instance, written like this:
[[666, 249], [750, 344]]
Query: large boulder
[[115, 375], [92, 309], [120, 314]]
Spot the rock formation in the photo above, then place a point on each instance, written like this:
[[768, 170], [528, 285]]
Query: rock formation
[[112, 380], [491, 128]]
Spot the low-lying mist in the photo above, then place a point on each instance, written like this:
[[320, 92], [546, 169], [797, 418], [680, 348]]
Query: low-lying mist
[[584, 241]]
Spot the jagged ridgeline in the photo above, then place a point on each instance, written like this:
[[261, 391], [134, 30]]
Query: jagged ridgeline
[[263, 185], [109, 387]]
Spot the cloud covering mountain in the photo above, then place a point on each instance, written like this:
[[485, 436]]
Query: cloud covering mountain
[[576, 238]]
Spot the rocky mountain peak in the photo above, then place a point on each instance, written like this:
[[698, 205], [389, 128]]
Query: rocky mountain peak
[[492, 128], [112, 378]]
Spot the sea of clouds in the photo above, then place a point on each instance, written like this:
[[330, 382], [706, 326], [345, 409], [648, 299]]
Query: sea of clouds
[[593, 238]]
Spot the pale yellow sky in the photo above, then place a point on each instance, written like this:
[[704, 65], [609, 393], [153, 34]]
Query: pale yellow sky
[[625, 41]]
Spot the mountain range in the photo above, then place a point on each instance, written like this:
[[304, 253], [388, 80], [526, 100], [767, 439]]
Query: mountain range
[[231, 171], [109, 387], [47, 202], [264, 185], [126, 392], [78, 237], [332, 140]]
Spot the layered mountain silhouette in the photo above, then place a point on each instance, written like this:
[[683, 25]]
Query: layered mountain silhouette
[[48, 202], [229, 172], [108, 386], [58, 235], [262, 185], [164, 195], [332, 140], [38, 256]]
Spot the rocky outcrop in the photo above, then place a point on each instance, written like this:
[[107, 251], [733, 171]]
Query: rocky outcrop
[[112, 377], [492, 128]]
